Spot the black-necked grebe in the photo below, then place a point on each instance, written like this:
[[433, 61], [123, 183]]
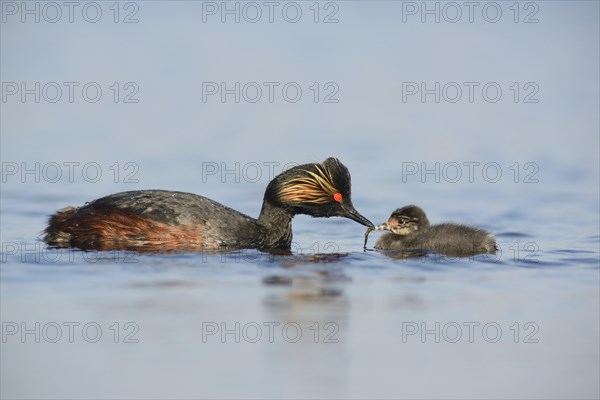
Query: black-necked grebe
[[158, 220], [410, 230]]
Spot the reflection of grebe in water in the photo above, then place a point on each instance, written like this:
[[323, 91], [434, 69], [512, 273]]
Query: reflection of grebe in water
[[157, 220], [410, 230]]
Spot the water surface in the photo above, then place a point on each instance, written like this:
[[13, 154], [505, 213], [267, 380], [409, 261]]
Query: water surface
[[329, 320]]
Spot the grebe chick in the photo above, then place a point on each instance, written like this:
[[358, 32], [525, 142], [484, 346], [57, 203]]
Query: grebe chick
[[410, 230], [159, 220]]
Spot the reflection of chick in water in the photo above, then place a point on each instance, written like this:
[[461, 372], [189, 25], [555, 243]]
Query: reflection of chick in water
[[410, 230]]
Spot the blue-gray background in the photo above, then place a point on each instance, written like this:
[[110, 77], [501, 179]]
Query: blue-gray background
[[172, 137]]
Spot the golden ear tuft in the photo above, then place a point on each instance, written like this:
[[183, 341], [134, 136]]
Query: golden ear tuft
[[316, 187]]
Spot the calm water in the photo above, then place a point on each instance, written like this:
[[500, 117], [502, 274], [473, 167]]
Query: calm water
[[329, 320]]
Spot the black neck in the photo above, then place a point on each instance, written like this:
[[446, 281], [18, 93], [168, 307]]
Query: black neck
[[278, 225]]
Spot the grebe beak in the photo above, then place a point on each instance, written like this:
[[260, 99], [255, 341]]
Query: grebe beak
[[354, 215]]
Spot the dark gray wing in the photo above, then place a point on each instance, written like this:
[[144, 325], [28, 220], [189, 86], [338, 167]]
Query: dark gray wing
[[222, 223]]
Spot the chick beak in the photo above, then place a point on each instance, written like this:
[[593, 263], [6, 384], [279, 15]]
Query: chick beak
[[383, 227], [354, 215]]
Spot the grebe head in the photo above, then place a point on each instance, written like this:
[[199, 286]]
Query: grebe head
[[406, 220], [317, 189]]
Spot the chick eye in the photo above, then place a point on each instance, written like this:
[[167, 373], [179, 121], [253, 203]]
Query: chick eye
[[401, 221], [337, 197]]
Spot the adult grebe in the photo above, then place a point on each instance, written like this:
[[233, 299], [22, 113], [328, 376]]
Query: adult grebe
[[158, 220]]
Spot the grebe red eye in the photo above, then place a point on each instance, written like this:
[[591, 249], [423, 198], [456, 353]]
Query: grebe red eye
[[337, 197]]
